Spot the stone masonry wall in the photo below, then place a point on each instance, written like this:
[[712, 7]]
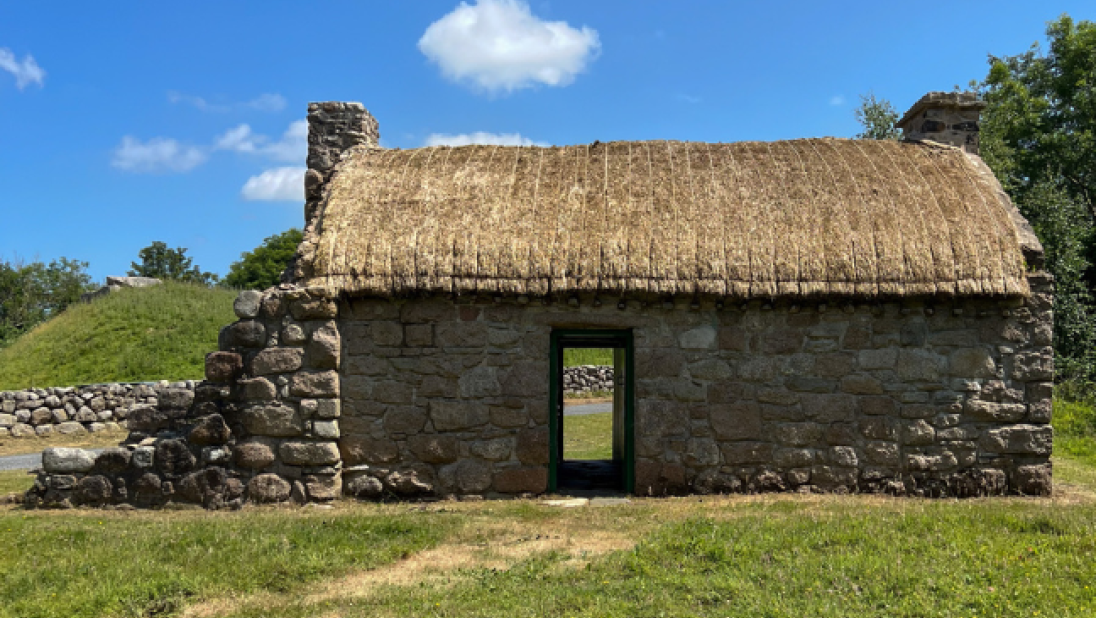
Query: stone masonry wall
[[37, 412], [311, 397], [911, 398], [945, 117], [261, 428]]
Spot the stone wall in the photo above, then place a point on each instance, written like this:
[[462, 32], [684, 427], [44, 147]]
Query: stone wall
[[261, 428], [37, 412], [585, 379], [922, 398], [311, 397]]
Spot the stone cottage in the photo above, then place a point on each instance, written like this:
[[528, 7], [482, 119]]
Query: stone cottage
[[816, 314]]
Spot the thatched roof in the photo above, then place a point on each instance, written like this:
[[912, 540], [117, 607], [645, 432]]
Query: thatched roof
[[783, 219]]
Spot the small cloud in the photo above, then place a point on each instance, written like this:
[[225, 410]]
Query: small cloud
[[266, 103], [293, 145], [688, 98], [660, 34], [164, 154], [239, 139], [480, 137], [26, 72], [500, 45], [837, 100], [159, 154], [281, 184], [262, 103]]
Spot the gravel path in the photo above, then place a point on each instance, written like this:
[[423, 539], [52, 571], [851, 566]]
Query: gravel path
[[572, 409]]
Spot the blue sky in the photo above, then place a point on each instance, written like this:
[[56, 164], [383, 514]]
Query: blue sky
[[123, 123]]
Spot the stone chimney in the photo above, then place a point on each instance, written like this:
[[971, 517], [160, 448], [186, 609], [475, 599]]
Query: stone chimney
[[946, 117], [333, 128]]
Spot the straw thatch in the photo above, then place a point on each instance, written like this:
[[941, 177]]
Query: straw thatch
[[802, 218]]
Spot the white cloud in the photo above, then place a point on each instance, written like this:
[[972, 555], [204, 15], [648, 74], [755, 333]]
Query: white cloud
[[293, 145], [501, 45], [198, 102], [25, 72], [159, 154], [164, 154], [837, 100], [262, 103], [681, 96], [239, 139], [480, 137], [267, 103], [280, 184]]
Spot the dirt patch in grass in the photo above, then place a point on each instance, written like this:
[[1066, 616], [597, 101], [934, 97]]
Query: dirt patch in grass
[[491, 538], [24, 446]]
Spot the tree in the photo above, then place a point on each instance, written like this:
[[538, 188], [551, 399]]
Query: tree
[[33, 293], [1038, 134], [158, 261], [262, 267], [877, 116]]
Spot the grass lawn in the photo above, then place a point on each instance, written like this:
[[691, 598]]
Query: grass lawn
[[769, 555], [776, 555], [12, 481], [574, 357], [132, 335], [588, 436]]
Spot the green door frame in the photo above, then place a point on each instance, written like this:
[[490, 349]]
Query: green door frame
[[568, 337]]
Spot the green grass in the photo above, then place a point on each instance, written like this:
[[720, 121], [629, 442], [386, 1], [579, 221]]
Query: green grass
[[1075, 430], [131, 335], [793, 559], [574, 357], [12, 481], [588, 436], [140, 564]]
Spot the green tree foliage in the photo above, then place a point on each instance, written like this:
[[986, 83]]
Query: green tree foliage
[[1038, 134], [877, 116], [33, 293], [262, 267], [161, 262]]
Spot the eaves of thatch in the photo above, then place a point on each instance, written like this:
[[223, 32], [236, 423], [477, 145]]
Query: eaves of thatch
[[798, 219]]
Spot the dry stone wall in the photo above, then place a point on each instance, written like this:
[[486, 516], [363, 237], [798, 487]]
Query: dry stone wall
[[585, 379], [73, 410]]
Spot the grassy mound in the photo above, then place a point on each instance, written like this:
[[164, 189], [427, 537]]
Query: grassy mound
[[132, 335]]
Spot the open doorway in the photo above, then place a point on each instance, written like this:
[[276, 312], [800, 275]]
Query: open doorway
[[592, 411]]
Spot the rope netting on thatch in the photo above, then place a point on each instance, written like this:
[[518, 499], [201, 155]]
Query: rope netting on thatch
[[796, 218]]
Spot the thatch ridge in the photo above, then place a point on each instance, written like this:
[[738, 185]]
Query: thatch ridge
[[799, 219]]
